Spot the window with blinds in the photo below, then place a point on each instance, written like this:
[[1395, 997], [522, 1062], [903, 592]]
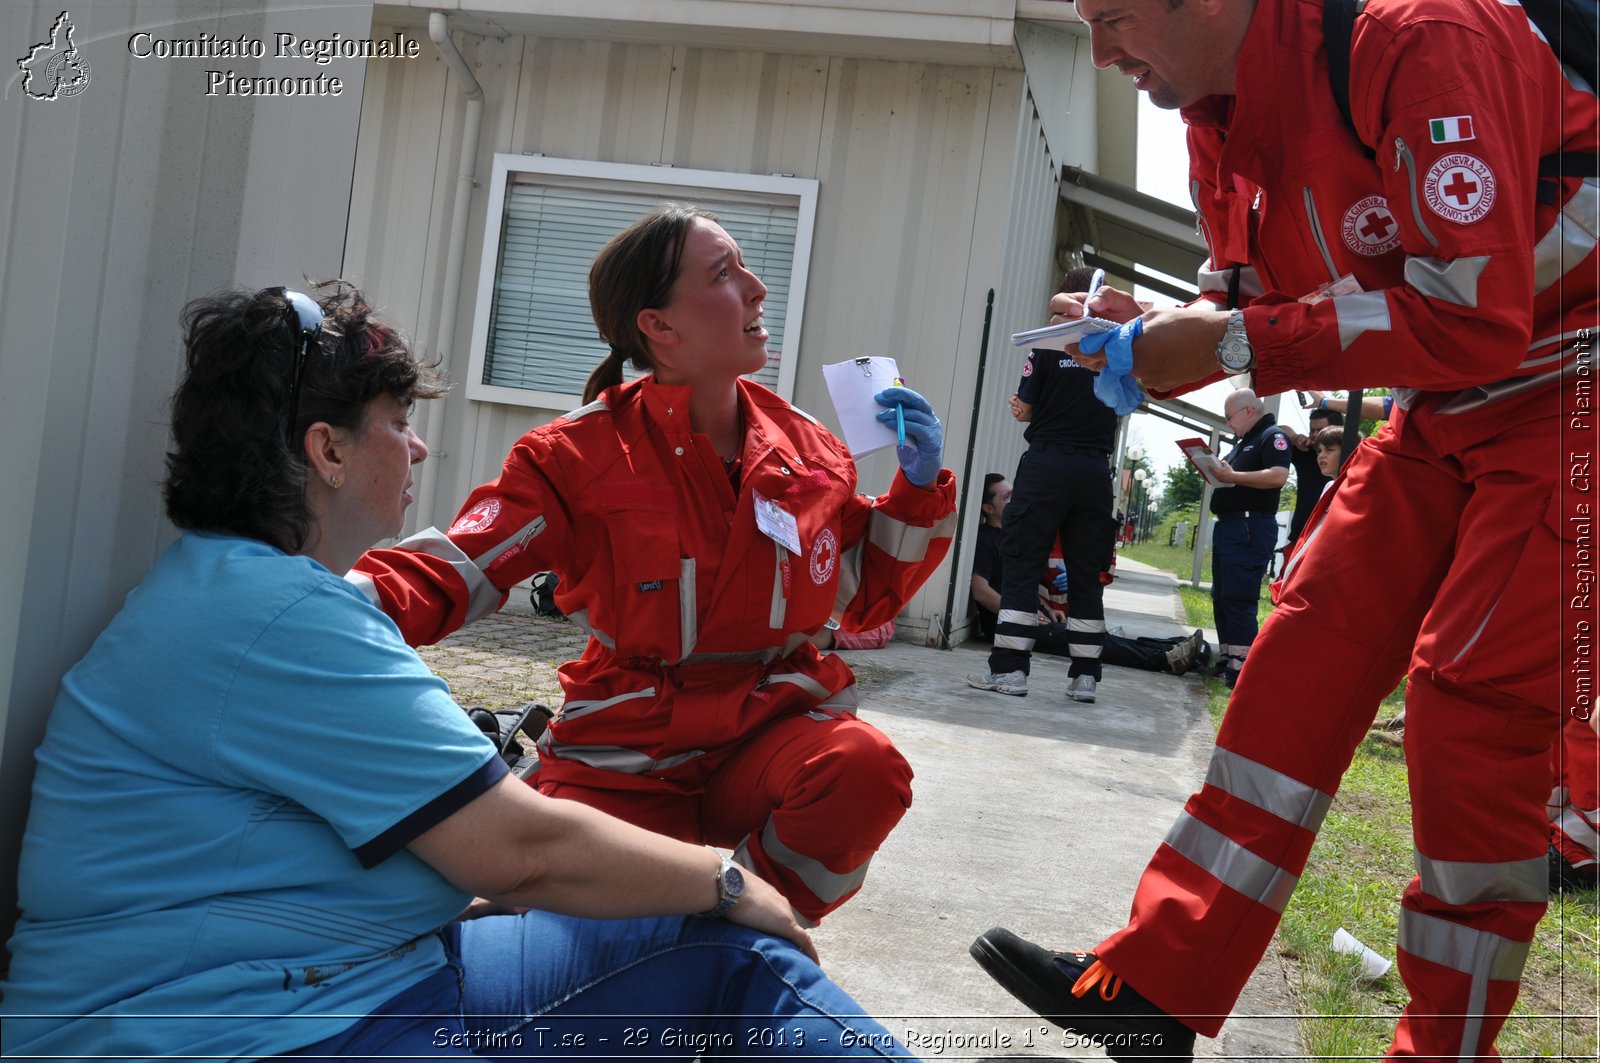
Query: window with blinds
[[539, 338]]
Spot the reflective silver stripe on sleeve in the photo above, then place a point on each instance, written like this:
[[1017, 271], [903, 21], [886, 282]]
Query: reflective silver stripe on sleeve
[[574, 709], [1231, 863], [780, 604], [904, 542], [1086, 650], [1562, 347], [1454, 282], [688, 609], [612, 758], [1358, 313], [1017, 616], [801, 680], [483, 597], [363, 583], [1012, 642], [1074, 624], [1476, 953], [1463, 882], [828, 885], [581, 619], [1268, 789], [521, 537], [1218, 280], [1571, 239], [849, 578], [845, 700]]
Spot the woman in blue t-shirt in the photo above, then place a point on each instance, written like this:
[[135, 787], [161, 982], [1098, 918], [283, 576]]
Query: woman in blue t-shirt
[[274, 859]]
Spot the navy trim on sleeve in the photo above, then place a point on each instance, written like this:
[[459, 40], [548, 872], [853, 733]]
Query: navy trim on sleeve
[[432, 814]]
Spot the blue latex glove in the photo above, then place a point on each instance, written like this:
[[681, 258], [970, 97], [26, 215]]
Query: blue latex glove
[[923, 454], [1060, 582], [1113, 386]]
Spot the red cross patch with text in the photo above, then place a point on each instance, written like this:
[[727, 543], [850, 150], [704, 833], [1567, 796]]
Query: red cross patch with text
[[1369, 227], [1459, 188], [824, 556]]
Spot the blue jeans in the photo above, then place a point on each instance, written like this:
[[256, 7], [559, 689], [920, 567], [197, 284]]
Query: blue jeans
[[549, 985]]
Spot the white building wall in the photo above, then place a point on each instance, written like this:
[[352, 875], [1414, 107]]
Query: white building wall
[[919, 206], [119, 205]]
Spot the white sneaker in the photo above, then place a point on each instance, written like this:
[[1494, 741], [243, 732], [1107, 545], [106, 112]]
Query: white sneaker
[[1013, 683], [1082, 688]]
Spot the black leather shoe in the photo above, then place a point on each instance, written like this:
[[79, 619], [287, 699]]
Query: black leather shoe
[[1109, 1014]]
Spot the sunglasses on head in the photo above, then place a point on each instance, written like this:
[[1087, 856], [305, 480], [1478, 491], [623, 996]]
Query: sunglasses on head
[[304, 316]]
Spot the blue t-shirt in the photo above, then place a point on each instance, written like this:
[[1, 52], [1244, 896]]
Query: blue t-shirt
[[223, 798]]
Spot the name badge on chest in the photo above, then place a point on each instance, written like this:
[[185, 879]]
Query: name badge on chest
[[777, 524]]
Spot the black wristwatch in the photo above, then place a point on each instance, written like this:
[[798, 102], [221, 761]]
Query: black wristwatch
[[1233, 349], [730, 887]]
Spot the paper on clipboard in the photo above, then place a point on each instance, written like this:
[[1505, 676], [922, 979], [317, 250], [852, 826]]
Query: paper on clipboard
[[852, 385], [1198, 451], [1060, 337]]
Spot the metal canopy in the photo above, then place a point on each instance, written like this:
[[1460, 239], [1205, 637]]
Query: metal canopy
[[1123, 230]]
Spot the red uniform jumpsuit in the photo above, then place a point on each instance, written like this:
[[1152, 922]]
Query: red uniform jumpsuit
[[1574, 805], [1441, 553], [699, 708]]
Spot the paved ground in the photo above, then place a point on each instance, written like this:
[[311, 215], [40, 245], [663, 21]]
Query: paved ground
[[1034, 813]]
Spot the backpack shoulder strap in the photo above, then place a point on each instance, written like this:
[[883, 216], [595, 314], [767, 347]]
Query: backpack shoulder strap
[[1338, 26]]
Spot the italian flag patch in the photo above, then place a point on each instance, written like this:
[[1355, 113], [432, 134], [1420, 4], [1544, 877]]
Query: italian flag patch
[[1450, 130]]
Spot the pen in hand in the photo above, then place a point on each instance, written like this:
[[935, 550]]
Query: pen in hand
[[900, 416], [1096, 281]]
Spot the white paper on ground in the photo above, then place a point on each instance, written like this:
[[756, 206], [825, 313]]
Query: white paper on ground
[[851, 385], [1060, 337]]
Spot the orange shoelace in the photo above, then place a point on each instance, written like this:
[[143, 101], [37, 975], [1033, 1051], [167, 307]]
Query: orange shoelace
[[1098, 974]]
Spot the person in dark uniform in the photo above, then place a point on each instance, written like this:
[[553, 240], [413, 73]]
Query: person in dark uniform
[[1309, 479], [1062, 487], [1175, 655], [1247, 523]]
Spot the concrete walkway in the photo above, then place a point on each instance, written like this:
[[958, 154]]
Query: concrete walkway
[[1033, 813]]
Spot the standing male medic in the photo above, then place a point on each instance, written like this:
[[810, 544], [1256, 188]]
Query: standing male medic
[[1471, 277], [1247, 524], [1063, 487]]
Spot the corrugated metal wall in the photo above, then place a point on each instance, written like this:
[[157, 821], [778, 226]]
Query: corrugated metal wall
[[921, 209], [120, 204]]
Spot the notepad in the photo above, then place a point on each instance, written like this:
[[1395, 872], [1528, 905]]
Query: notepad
[[1060, 337], [852, 385]]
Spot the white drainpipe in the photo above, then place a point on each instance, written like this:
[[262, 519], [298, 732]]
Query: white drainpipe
[[439, 33]]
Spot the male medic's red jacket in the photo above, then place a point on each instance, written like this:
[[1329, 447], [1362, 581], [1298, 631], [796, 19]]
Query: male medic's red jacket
[[1444, 235], [698, 620]]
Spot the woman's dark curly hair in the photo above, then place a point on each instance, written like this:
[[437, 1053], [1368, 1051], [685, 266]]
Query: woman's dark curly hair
[[235, 466]]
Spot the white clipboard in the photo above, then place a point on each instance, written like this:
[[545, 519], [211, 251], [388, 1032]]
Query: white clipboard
[[852, 385]]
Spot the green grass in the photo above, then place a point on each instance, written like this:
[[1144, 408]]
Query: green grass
[[1356, 873]]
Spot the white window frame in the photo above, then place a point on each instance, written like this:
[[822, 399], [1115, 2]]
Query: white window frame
[[674, 184]]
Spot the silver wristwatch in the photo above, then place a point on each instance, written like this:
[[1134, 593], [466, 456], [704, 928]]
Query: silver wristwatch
[[1233, 350], [730, 887]]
